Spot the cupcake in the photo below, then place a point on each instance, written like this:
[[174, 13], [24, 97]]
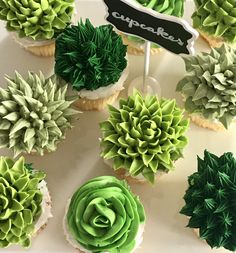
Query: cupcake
[[216, 21], [34, 114], [210, 200], [104, 216], [25, 202], [92, 60], [209, 88], [136, 45], [144, 137], [35, 24]]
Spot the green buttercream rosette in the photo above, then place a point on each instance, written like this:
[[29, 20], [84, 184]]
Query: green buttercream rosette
[[209, 87], [210, 200], [105, 216], [20, 202], [36, 19], [216, 18], [144, 136]]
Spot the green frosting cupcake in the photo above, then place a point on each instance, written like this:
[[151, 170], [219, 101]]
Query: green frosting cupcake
[[210, 84], [37, 19], [144, 136], [20, 202], [90, 57], [34, 113], [210, 200], [104, 216], [216, 18]]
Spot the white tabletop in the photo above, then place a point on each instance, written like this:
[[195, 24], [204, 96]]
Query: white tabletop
[[77, 158]]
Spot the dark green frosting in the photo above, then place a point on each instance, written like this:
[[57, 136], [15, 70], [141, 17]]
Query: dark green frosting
[[90, 57], [211, 200], [105, 216]]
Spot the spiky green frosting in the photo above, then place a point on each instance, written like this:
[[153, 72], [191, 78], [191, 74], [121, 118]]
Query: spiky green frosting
[[210, 200], [36, 19], [144, 135], [20, 202], [210, 84], [34, 113], [90, 57]]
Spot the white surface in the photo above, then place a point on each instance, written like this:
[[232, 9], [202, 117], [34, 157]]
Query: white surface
[[77, 158]]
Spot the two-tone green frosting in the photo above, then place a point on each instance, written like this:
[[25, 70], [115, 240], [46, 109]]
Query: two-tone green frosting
[[90, 57], [34, 113], [211, 200], [105, 216], [20, 202], [145, 135], [210, 84], [216, 18], [37, 19]]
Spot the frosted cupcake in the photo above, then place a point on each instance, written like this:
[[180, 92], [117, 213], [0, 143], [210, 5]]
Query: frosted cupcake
[[34, 114], [104, 216], [209, 88], [25, 202], [216, 21], [92, 60], [144, 137], [35, 24], [136, 45], [210, 200]]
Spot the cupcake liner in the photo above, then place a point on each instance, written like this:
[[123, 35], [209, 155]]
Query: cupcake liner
[[212, 41], [42, 51]]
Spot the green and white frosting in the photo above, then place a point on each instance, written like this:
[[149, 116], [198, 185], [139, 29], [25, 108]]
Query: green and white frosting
[[209, 87], [210, 200], [144, 136], [34, 113], [105, 216], [216, 18]]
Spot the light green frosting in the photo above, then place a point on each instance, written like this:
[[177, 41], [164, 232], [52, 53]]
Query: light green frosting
[[105, 216], [210, 84], [216, 18], [20, 202], [34, 113], [36, 19], [144, 135], [210, 200]]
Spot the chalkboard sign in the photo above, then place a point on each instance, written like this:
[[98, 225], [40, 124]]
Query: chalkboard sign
[[171, 33]]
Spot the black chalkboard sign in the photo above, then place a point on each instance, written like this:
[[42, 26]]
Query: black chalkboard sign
[[174, 34]]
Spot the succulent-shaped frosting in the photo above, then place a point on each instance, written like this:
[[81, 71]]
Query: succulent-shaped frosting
[[144, 135], [90, 57], [210, 200], [37, 19], [216, 18], [105, 216], [210, 84], [20, 202], [34, 113]]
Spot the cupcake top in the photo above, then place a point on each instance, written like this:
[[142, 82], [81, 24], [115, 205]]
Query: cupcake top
[[38, 20], [34, 113], [210, 200], [20, 201], [90, 57], [210, 84], [216, 18], [144, 135], [109, 216]]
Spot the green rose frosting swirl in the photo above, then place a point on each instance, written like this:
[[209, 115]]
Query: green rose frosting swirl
[[37, 19], [34, 113], [104, 216], [145, 135], [20, 202], [90, 57], [216, 18], [209, 86], [210, 200]]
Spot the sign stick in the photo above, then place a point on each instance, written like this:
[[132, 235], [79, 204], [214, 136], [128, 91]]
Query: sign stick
[[146, 65]]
